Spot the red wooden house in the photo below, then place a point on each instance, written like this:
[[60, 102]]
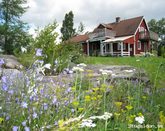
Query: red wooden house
[[127, 37]]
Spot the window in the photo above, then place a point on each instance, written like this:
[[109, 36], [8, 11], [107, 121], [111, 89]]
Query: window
[[119, 46], [141, 29], [139, 45]]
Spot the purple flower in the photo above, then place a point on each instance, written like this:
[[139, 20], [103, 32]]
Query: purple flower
[[24, 105], [68, 90], [15, 128], [4, 80], [24, 123], [11, 92], [45, 106], [35, 115], [39, 52], [7, 118], [72, 110], [27, 128], [4, 87], [54, 101], [1, 62], [56, 123]]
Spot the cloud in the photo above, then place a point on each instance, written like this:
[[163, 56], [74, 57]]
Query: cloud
[[91, 12]]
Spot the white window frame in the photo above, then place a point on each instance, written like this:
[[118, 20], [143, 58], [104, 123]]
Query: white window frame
[[119, 46], [139, 45], [141, 29]]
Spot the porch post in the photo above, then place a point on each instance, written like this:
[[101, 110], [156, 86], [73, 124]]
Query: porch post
[[87, 47], [121, 43], [101, 48], [129, 49], [105, 45], [111, 46]]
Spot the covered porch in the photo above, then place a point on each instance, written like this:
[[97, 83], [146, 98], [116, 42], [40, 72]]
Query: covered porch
[[120, 46]]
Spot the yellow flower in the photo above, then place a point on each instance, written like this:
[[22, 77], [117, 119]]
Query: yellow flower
[[117, 114], [95, 89], [118, 104], [162, 118], [80, 109], [61, 123], [75, 103], [87, 98], [99, 96], [90, 75], [131, 119], [94, 98], [111, 87], [1, 120], [90, 71], [73, 88], [129, 107], [123, 111], [130, 98], [144, 97]]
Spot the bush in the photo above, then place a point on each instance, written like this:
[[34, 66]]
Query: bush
[[60, 56]]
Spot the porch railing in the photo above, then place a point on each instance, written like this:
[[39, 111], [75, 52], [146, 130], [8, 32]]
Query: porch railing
[[125, 53]]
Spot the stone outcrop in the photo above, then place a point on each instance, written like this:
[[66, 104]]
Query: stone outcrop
[[11, 62]]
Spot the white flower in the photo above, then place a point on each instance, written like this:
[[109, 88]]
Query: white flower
[[113, 75], [106, 116], [23, 50], [105, 72], [47, 66], [87, 123], [140, 119], [82, 65], [78, 69]]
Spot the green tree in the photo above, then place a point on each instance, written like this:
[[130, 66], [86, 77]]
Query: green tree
[[67, 29], [80, 29], [13, 29], [46, 40], [158, 26]]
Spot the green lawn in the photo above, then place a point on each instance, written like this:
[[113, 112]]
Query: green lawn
[[154, 66]]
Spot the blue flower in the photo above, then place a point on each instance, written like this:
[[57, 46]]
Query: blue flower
[[24, 105], [39, 52], [1, 62], [4, 79], [27, 128], [15, 128], [35, 115], [45, 106], [24, 123], [4, 87]]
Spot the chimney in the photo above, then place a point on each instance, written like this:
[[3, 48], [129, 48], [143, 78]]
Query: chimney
[[117, 19]]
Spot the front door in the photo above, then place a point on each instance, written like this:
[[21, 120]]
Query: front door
[[131, 50]]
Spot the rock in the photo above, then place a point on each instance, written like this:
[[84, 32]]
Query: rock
[[11, 62]]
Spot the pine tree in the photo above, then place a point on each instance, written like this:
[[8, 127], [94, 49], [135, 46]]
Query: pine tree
[[67, 29], [14, 30]]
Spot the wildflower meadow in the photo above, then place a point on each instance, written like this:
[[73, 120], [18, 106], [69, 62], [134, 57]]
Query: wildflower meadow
[[31, 102]]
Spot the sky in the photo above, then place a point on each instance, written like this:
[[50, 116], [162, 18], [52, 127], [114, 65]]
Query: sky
[[90, 12]]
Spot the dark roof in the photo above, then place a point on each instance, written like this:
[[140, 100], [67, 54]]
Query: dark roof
[[122, 28], [79, 38], [126, 27]]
